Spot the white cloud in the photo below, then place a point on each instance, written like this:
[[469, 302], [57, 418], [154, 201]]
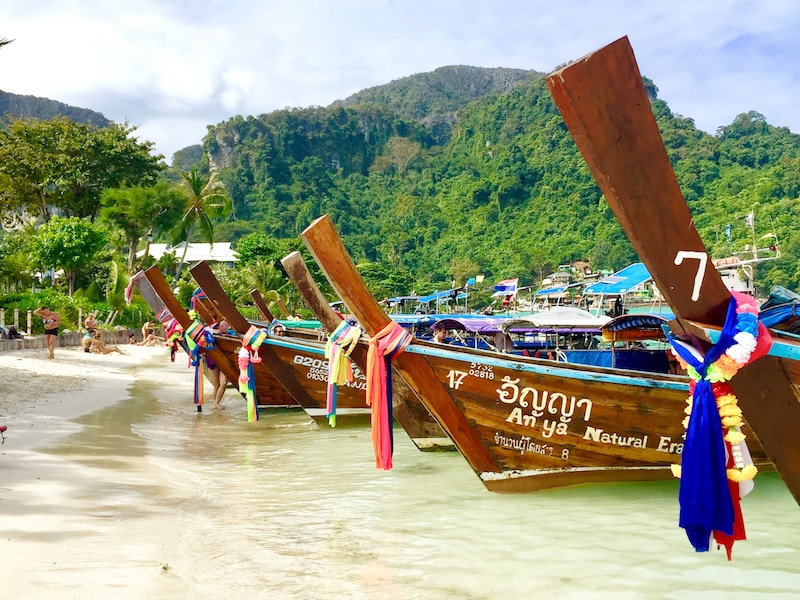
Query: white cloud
[[173, 67]]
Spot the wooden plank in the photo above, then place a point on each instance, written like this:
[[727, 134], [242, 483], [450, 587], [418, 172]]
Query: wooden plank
[[328, 250], [607, 110], [261, 305], [298, 273]]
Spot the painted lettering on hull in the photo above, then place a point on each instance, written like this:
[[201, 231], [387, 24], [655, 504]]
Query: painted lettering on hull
[[601, 436], [665, 444], [318, 371]]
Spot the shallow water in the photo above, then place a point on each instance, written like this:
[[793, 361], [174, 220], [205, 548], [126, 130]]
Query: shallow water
[[216, 507]]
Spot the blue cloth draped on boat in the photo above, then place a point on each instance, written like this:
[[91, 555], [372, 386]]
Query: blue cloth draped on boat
[[705, 499]]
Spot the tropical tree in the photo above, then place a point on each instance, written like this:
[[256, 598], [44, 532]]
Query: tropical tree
[[63, 164], [71, 244], [139, 211], [207, 199]]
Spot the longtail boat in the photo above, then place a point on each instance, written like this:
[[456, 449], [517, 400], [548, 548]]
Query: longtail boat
[[298, 363], [739, 369], [606, 108], [271, 393], [408, 410], [525, 424]]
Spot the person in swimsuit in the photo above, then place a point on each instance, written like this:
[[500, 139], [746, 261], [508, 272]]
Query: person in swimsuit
[[90, 323], [98, 346], [51, 322], [149, 337]]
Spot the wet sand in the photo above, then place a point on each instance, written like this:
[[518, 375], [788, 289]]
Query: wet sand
[[64, 533]]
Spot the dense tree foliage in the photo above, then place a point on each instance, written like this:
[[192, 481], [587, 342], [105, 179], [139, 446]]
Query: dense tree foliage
[[139, 211], [71, 244], [430, 179], [505, 193], [66, 165]]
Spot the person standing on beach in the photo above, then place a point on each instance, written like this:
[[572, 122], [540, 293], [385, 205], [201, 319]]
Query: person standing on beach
[[51, 322]]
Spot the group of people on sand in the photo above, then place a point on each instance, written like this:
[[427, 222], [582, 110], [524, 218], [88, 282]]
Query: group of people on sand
[[92, 342]]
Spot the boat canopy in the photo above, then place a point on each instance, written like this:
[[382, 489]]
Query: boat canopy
[[775, 316], [472, 324], [634, 327], [415, 320], [557, 318], [620, 282]]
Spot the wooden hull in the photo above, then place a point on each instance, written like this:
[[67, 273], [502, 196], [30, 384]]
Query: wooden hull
[[269, 392], [552, 425], [526, 424]]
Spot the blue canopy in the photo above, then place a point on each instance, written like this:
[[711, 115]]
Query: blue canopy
[[446, 294], [620, 282], [775, 315], [551, 290]]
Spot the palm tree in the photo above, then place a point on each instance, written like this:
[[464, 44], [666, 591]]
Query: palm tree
[[207, 198]]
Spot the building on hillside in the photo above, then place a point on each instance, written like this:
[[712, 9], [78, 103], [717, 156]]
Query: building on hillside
[[220, 252]]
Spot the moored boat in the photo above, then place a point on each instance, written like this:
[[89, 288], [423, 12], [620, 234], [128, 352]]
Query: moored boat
[[408, 410], [606, 108], [225, 353], [525, 424], [297, 361]]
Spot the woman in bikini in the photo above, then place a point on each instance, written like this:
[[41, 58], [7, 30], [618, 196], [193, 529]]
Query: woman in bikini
[[51, 322]]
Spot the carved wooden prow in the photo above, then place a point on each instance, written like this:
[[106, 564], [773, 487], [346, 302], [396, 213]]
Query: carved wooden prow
[[607, 110], [328, 250], [162, 288], [209, 283], [261, 305]]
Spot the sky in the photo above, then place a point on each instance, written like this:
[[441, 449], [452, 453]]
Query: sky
[[173, 67]]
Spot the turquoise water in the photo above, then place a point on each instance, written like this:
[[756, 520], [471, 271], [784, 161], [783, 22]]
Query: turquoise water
[[280, 509]]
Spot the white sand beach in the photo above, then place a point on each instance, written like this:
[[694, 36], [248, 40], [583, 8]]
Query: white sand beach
[[59, 537]]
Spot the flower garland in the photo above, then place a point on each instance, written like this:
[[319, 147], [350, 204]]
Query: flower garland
[[715, 462]]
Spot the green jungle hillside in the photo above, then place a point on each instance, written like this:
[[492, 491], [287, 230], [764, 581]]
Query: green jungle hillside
[[466, 171]]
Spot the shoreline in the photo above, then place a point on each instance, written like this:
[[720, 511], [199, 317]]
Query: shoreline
[[39, 396], [71, 526]]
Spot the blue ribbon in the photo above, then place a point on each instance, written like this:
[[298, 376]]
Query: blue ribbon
[[704, 496]]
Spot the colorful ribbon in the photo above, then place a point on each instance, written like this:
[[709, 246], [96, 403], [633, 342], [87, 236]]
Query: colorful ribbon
[[387, 343], [199, 339], [713, 470], [248, 355], [247, 384], [173, 330], [338, 348]]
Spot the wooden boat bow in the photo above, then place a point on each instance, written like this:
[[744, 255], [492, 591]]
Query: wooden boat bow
[[328, 250], [606, 108]]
